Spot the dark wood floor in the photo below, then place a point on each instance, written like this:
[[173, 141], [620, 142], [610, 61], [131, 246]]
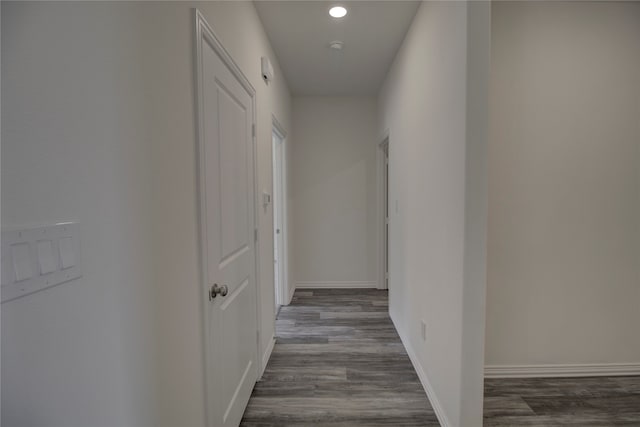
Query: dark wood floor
[[338, 361], [595, 401]]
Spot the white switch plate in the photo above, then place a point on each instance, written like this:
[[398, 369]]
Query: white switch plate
[[38, 258]]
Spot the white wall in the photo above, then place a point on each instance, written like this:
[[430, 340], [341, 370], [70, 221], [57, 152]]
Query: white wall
[[76, 147], [433, 103], [564, 229], [99, 127], [0, 201], [334, 190]]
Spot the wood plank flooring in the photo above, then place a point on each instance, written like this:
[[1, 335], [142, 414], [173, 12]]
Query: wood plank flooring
[[338, 361], [594, 401]]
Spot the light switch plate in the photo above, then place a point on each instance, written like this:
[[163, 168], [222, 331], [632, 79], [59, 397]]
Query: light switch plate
[[38, 258]]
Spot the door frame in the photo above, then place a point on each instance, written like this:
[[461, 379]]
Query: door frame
[[383, 244], [278, 129], [204, 31]]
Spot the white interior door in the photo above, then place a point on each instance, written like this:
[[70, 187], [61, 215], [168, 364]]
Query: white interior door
[[278, 215], [386, 216], [226, 120], [383, 168]]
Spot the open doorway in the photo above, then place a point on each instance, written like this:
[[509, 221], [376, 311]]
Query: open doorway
[[383, 167], [279, 216]]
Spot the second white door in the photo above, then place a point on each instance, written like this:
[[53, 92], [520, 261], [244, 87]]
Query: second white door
[[278, 218]]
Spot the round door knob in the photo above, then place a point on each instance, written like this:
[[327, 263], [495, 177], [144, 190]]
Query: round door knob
[[218, 290]]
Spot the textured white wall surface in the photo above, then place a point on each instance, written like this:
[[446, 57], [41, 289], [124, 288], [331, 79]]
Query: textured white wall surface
[[434, 105], [334, 182], [564, 180]]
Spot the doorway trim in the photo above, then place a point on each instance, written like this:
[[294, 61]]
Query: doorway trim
[[383, 244], [285, 295], [203, 31]]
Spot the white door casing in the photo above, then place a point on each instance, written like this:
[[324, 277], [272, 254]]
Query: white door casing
[[226, 123], [383, 212], [280, 210], [279, 207]]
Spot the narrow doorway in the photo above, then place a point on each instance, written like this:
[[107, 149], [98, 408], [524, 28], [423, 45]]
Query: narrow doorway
[[384, 213], [279, 217]]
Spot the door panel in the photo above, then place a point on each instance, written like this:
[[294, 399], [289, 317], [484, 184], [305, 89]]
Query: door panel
[[227, 224], [233, 172], [238, 372]]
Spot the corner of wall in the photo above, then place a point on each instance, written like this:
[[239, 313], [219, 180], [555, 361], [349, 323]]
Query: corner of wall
[[292, 290], [453, 376], [476, 211]]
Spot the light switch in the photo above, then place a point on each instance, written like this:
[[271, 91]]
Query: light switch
[[21, 261], [67, 255], [38, 258], [46, 257]]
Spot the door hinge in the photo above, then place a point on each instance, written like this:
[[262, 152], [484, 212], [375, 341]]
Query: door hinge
[[255, 234], [253, 130]]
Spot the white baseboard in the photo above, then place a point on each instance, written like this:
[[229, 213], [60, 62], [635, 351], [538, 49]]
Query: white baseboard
[[380, 284], [267, 355], [292, 290], [565, 370], [424, 380], [306, 285]]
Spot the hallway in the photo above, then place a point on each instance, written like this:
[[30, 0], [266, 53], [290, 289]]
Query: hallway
[[202, 204], [338, 360]]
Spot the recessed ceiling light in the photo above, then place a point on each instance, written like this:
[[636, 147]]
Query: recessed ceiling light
[[337, 11], [336, 45]]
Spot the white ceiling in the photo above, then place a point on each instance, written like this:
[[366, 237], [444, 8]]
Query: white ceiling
[[300, 32]]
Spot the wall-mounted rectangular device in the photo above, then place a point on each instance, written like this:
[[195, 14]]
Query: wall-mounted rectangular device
[[38, 258], [267, 69]]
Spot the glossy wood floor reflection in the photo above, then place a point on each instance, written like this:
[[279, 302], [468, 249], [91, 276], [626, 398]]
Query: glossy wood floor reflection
[[550, 402], [338, 361]]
